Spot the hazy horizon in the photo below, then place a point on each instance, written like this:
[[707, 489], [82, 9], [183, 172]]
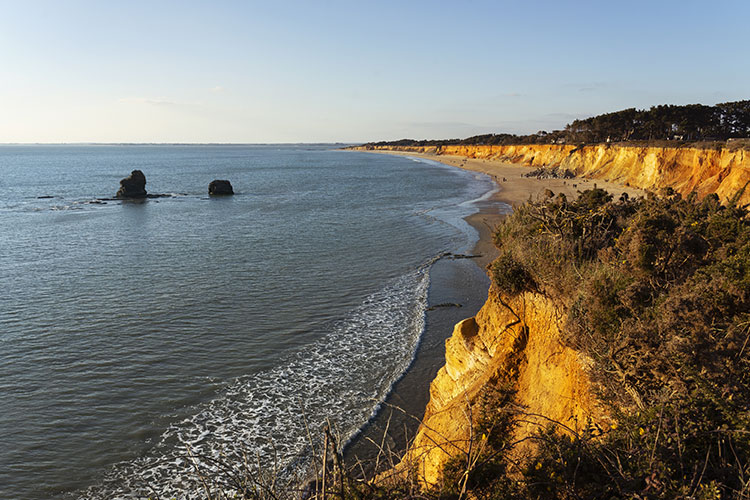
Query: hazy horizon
[[171, 143], [292, 72]]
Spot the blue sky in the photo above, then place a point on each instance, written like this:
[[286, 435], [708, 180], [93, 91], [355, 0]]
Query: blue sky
[[231, 71]]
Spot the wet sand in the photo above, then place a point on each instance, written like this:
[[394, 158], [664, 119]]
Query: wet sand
[[455, 282]]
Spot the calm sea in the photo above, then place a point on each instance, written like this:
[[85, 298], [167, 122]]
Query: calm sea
[[140, 341]]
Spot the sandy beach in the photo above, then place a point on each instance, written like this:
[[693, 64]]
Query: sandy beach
[[514, 189]]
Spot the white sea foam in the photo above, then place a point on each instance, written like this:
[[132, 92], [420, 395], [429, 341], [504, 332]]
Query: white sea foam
[[265, 417], [486, 196]]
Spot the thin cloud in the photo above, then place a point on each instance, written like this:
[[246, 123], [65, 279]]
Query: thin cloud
[[147, 100], [217, 88], [587, 86]]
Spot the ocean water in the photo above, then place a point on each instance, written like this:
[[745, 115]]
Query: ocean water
[[142, 342]]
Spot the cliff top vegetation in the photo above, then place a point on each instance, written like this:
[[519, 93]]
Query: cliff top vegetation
[[677, 124], [657, 295]]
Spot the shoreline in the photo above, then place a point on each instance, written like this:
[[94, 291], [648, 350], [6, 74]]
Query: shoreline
[[512, 190], [458, 288], [463, 281]]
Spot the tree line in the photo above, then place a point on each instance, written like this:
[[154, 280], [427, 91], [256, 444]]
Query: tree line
[[689, 123]]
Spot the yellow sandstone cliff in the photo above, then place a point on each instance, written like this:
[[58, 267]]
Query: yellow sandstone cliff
[[512, 340], [723, 170]]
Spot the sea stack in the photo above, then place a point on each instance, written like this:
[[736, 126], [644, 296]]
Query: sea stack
[[219, 187], [133, 186]]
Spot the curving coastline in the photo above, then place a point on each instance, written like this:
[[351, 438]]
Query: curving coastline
[[518, 339], [476, 351], [513, 187], [722, 169]]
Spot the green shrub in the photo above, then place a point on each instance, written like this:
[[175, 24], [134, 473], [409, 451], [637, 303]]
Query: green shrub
[[657, 294], [511, 276]]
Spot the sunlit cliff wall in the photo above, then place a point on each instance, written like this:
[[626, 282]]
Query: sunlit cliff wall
[[721, 170], [513, 341]]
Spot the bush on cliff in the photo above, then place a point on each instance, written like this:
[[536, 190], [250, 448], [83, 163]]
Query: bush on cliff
[[510, 275], [485, 469], [657, 292]]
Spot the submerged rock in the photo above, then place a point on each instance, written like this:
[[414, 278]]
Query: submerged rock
[[220, 187], [133, 186]]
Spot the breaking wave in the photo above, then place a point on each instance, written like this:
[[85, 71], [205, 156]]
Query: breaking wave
[[272, 419]]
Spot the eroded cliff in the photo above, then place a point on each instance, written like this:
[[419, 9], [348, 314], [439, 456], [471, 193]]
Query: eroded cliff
[[513, 342], [722, 170], [610, 359]]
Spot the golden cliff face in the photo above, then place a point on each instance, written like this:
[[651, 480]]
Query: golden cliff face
[[722, 171], [516, 341]]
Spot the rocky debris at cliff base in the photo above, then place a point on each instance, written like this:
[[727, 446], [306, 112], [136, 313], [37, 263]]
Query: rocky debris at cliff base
[[550, 173], [133, 186], [219, 187], [455, 256]]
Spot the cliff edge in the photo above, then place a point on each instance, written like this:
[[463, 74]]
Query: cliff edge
[[514, 342], [722, 170]]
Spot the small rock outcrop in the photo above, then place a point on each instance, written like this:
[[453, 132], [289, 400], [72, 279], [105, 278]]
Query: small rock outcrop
[[220, 187], [133, 186]]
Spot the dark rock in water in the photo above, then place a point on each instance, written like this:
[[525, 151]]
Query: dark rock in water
[[446, 304], [133, 186], [220, 187]]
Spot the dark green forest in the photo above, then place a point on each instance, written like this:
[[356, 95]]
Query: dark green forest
[[687, 123]]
